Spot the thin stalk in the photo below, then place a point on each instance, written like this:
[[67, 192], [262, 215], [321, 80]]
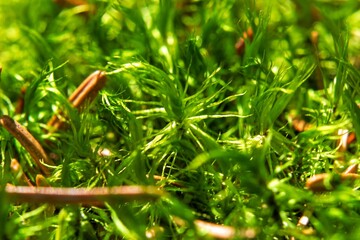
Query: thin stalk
[[96, 196], [28, 142], [85, 93]]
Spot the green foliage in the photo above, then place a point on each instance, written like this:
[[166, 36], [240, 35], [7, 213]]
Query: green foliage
[[182, 110]]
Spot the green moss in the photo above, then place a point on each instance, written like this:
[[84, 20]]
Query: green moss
[[181, 102]]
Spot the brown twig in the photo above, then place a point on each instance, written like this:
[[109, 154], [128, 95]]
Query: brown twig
[[324, 181], [240, 44], [316, 184], [85, 8], [95, 196], [28, 142], [41, 181], [352, 169], [20, 102], [71, 2], [17, 169], [85, 93], [88, 89], [300, 125]]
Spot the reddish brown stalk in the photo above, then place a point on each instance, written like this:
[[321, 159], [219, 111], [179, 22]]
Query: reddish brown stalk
[[88, 89], [95, 196], [301, 125], [17, 169], [352, 169], [240, 44], [323, 182], [351, 138], [41, 181], [343, 141], [28, 142], [83, 8], [20, 102], [64, 3], [85, 93]]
